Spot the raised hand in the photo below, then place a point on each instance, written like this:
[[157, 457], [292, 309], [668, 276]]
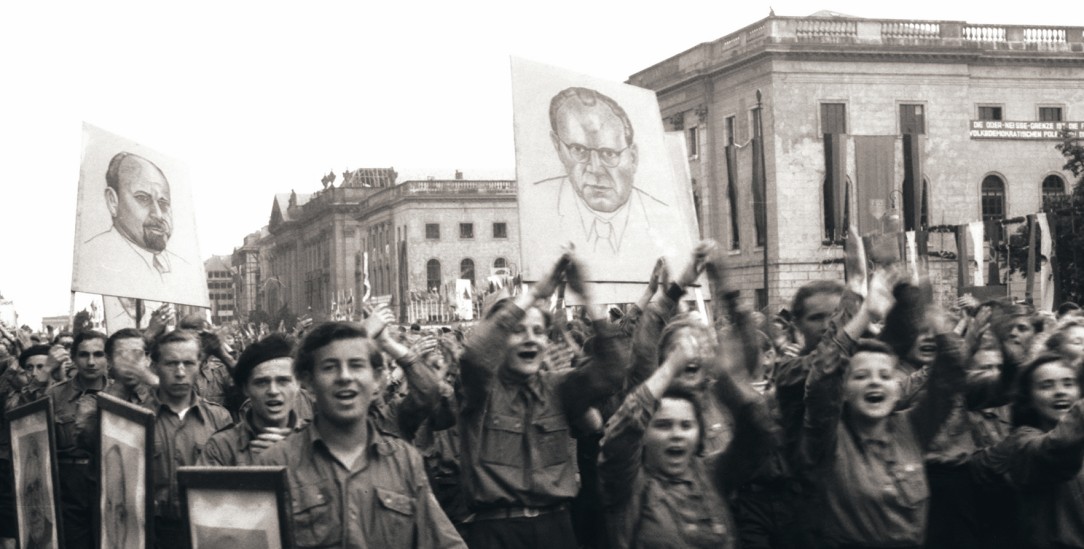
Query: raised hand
[[377, 321], [548, 284], [854, 263]]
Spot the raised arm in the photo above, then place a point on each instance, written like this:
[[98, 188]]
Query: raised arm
[[602, 372], [946, 378], [755, 431], [484, 350], [823, 400], [621, 455], [1037, 458]]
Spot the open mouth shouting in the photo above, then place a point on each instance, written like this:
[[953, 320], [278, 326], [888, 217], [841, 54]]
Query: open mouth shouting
[[1062, 405], [874, 397], [275, 406]]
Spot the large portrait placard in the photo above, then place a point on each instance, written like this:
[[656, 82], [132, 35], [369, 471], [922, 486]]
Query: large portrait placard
[[135, 225], [236, 507], [37, 485], [595, 171], [125, 509]]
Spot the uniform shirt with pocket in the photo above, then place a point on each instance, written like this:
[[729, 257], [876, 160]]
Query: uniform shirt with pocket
[[873, 492], [178, 442], [383, 500]]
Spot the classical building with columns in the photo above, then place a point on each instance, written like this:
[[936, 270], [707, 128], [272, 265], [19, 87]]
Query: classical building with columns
[[413, 239], [889, 124]]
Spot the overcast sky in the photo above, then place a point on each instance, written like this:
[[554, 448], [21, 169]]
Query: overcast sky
[[265, 97]]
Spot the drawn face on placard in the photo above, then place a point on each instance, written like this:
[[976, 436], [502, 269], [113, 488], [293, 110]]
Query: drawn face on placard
[[593, 137], [117, 521], [138, 198], [35, 500]]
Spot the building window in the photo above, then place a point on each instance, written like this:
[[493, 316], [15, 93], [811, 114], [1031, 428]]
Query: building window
[[466, 230], [466, 270], [912, 119], [1050, 114], [500, 230], [1053, 188], [692, 142], [432, 231], [833, 118], [500, 263], [989, 112], [993, 198], [432, 275]]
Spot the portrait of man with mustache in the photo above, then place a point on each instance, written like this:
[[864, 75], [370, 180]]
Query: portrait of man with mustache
[[137, 195]]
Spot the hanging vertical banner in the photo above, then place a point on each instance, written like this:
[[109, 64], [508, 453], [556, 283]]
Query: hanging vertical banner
[[912, 252], [464, 299], [732, 195], [962, 239], [975, 231], [1033, 243], [760, 207], [1046, 271], [365, 278], [875, 166], [912, 180], [835, 169]]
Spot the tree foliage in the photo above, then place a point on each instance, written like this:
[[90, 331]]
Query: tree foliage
[[1066, 217]]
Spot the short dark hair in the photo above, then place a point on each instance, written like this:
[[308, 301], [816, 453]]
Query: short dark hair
[[176, 336], [589, 98], [275, 345], [32, 351], [1023, 409], [808, 290], [682, 393], [87, 335], [112, 173], [123, 333], [325, 334], [868, 345], [1066, 308]]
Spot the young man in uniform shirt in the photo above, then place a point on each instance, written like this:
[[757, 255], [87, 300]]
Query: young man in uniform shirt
[[183, 423], [264, 372], [352, 485]]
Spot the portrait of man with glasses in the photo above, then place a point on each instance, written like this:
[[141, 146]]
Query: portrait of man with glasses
[[598, 204]]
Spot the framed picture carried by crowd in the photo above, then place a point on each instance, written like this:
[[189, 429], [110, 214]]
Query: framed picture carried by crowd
[[125, 511], [236, 507], [37, 485]]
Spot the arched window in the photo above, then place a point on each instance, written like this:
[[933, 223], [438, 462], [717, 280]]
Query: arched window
[[1053, 188], [432, 275], [993, 198], [500, 263], [466, 270]]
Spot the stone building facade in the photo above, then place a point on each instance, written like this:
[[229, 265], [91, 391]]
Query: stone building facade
[[866, 108], [220, 288], [415, 235], [421, 236]]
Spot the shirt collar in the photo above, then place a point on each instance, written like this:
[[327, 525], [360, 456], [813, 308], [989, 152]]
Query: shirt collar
[[197, 404], [78, 389], [378, 444]]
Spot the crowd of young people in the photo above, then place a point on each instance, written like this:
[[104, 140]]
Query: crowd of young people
[[864, 415]]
